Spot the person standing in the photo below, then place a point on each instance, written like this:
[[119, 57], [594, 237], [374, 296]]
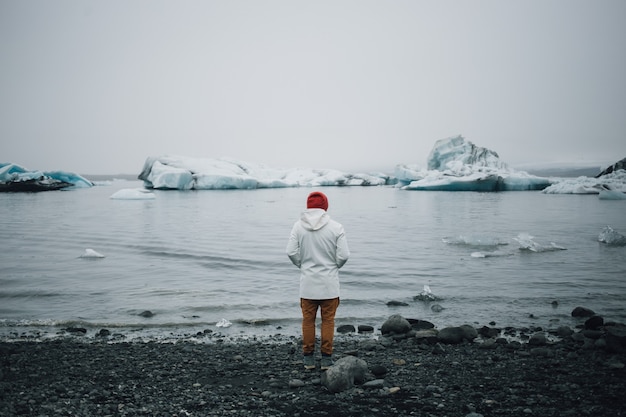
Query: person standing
[[319, 248]]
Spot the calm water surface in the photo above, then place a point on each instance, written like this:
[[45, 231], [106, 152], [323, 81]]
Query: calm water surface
[[195, 257]]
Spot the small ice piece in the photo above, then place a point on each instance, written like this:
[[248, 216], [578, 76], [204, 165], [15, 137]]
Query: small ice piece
[[426, 295], [92, 254], [608, 193], [133, 194], [223, 323], [611, 237], [478, 255], [526, 242]]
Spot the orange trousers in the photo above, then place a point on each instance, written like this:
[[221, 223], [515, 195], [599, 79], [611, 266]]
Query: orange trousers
[[328, 309]]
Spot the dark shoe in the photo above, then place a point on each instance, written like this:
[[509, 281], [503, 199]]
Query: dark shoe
[[327, 362], [309, 362]]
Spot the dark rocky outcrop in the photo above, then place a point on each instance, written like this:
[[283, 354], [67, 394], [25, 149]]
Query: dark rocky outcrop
[[396, 324], [621, 164], [34, 185], [582, 312]]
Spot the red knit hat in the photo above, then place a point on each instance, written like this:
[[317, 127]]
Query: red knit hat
[[317, 200]]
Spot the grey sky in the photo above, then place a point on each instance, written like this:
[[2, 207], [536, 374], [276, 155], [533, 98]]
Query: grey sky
[[95, 87]]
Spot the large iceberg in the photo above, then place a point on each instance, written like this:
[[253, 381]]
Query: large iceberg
[[15, 177], [186, 173], [455, 164]]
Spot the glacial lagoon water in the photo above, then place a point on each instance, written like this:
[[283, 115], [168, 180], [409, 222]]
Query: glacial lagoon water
[[193, 258]]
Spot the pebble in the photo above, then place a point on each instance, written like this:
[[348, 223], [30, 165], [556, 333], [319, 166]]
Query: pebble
[[296, 383]]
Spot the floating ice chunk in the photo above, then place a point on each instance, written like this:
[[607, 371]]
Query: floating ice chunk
[[615, 181], [426, 295], [526, 242], [611, 237], [478, 255], [608, 193], [91, 254], [133, 194], [223, 323], [474, 240]]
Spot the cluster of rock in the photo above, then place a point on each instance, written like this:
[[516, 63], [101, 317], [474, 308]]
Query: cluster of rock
[[594, 333]]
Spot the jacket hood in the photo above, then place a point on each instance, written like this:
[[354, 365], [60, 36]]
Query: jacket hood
[[314, 219]]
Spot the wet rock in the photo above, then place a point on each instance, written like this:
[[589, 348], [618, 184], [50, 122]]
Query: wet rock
[[489, 332], [437, 308], [344, 374], [421, 324], [146, 313], [346, 328], [426, 336], [451, 335], [538, 339], [469, 332], [582, 312], [564, 331], [457, 334], [394, 303], [363, 328], [395, 324], [594, 323], [76, 330]]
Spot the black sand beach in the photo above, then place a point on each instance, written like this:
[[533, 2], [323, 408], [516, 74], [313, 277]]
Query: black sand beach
[[412, 374]]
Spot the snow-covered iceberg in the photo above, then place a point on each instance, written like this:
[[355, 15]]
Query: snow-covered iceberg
[[455, 164], [608, 186], [15, 177], [186, 173]]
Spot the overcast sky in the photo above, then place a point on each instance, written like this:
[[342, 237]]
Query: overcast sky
[[96, 87]]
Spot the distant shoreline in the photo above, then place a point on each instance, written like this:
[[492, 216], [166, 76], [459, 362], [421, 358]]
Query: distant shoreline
[[111, 177], [565, 172]]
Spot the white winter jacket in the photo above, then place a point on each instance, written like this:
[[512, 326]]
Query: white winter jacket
[[318, 246]]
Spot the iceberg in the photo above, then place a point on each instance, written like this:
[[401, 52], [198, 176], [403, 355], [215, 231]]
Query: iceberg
[[608, 186], [169, 172], [456, 164], [16, 178]]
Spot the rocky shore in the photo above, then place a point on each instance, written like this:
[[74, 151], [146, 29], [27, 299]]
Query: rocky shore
[[413, 370]]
